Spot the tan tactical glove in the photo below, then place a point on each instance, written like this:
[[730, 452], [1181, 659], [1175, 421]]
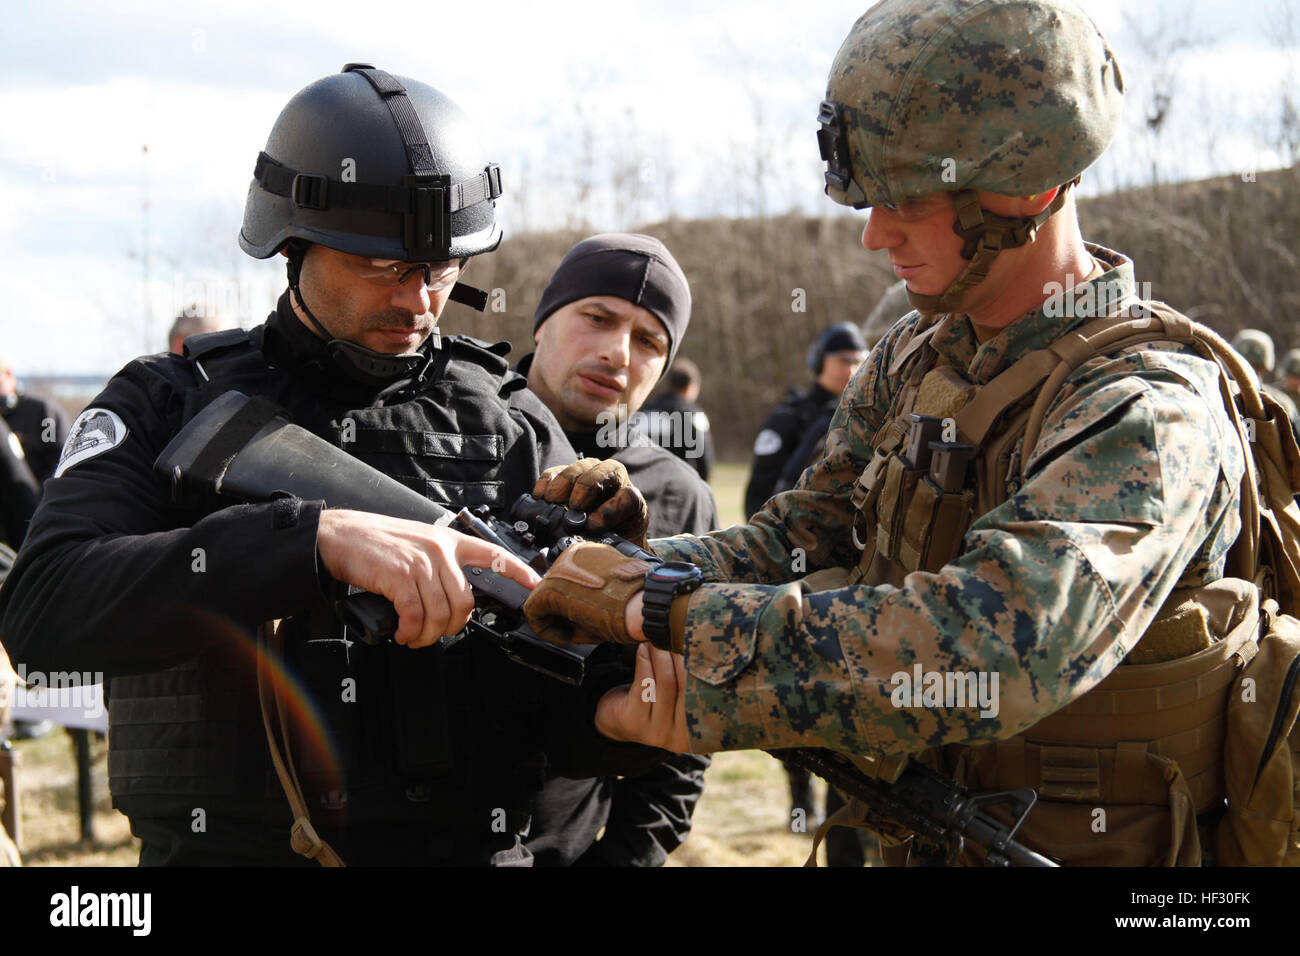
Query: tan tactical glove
[[603, 490], [584, 596]]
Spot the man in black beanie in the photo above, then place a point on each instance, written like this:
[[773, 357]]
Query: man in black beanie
[[606, 329]]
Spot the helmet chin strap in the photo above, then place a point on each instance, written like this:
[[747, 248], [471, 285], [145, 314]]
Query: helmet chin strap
[[986, 235], [363, 365]]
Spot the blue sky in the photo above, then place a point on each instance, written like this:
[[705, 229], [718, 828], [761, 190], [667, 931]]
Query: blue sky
[[676, 95]]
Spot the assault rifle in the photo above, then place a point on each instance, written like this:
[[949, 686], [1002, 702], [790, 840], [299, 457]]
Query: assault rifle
[[246, 449], [938, 811]]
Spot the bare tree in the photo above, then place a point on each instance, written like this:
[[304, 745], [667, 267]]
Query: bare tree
[[1164, 36]]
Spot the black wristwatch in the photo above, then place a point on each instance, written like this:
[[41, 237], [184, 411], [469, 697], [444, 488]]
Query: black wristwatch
[[662, 584]]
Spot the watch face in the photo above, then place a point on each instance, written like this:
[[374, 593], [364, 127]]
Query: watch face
[[675, 571]]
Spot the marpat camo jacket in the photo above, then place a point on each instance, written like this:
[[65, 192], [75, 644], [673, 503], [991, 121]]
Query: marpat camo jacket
[[1132, 490]]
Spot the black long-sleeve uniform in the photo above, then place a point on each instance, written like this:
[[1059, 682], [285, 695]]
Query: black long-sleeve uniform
[[645, 815], [42, 428], [682, 428], [18, 489], [782, 433], [406, 755]]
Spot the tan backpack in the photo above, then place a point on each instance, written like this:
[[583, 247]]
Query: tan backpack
[[1261, 751]]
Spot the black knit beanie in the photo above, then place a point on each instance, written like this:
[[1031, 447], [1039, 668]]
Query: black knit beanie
[[637, 268]]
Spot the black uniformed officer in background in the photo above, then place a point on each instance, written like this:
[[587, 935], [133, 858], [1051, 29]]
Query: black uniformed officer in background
[[790, 436], [832, 359], [19, 489], [676, 422], [376, 190], [608, 324], [38, 422]]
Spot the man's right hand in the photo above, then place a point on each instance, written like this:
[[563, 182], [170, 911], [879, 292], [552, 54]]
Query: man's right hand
[[416, 566], [604, 490]]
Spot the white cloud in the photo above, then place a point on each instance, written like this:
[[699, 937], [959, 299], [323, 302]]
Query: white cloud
[[86, 86]]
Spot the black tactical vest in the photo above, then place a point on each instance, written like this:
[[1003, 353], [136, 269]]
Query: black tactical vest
[[381, 733]]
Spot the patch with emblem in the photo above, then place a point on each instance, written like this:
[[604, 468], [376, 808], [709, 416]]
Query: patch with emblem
[[95, 431], [16, 447], [767, 443]]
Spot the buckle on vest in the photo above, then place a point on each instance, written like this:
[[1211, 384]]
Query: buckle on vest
[[857, 538]]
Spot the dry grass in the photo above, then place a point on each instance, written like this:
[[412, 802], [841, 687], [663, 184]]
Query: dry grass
[[50, 817], [742, 819]]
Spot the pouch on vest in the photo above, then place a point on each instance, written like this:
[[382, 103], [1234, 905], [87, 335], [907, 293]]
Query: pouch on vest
[[1123, 772], [1262, 753], [895, 494]]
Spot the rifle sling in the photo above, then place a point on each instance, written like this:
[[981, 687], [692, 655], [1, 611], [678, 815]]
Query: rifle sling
[[303, 838]]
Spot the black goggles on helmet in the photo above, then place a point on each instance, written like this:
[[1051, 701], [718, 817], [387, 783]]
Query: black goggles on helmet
[[833, 141]]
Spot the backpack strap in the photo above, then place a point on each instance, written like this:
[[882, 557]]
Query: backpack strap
[[1268, 545]]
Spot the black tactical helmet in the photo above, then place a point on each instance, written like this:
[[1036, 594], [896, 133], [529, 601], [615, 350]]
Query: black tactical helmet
[[375, 165]]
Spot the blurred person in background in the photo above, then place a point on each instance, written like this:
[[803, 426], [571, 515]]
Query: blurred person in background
[[677, 423], [1291, 375], [191, 321], [38, 422], [893, 305], [800, 424], [832, 359], [1257, 348], [19, 489]]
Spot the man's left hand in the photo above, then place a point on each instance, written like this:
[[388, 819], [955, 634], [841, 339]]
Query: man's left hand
[[652, 709], [585, 597]]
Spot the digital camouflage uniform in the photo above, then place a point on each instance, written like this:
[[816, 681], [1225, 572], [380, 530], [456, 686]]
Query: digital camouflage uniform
[[1128, 494], [1131, 490]]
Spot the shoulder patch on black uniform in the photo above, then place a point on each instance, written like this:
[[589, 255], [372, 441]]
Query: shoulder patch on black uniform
[[768, 442], [95, 431]]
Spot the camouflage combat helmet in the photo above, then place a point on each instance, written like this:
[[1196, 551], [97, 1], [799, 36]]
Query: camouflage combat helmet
[[1014, 97], [1291, 363], [1255, 347]]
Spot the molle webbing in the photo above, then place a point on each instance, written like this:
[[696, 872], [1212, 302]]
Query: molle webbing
[[1176, 710]]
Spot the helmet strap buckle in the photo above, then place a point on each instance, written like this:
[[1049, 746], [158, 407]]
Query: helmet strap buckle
[[309, 192], [426, 225]]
